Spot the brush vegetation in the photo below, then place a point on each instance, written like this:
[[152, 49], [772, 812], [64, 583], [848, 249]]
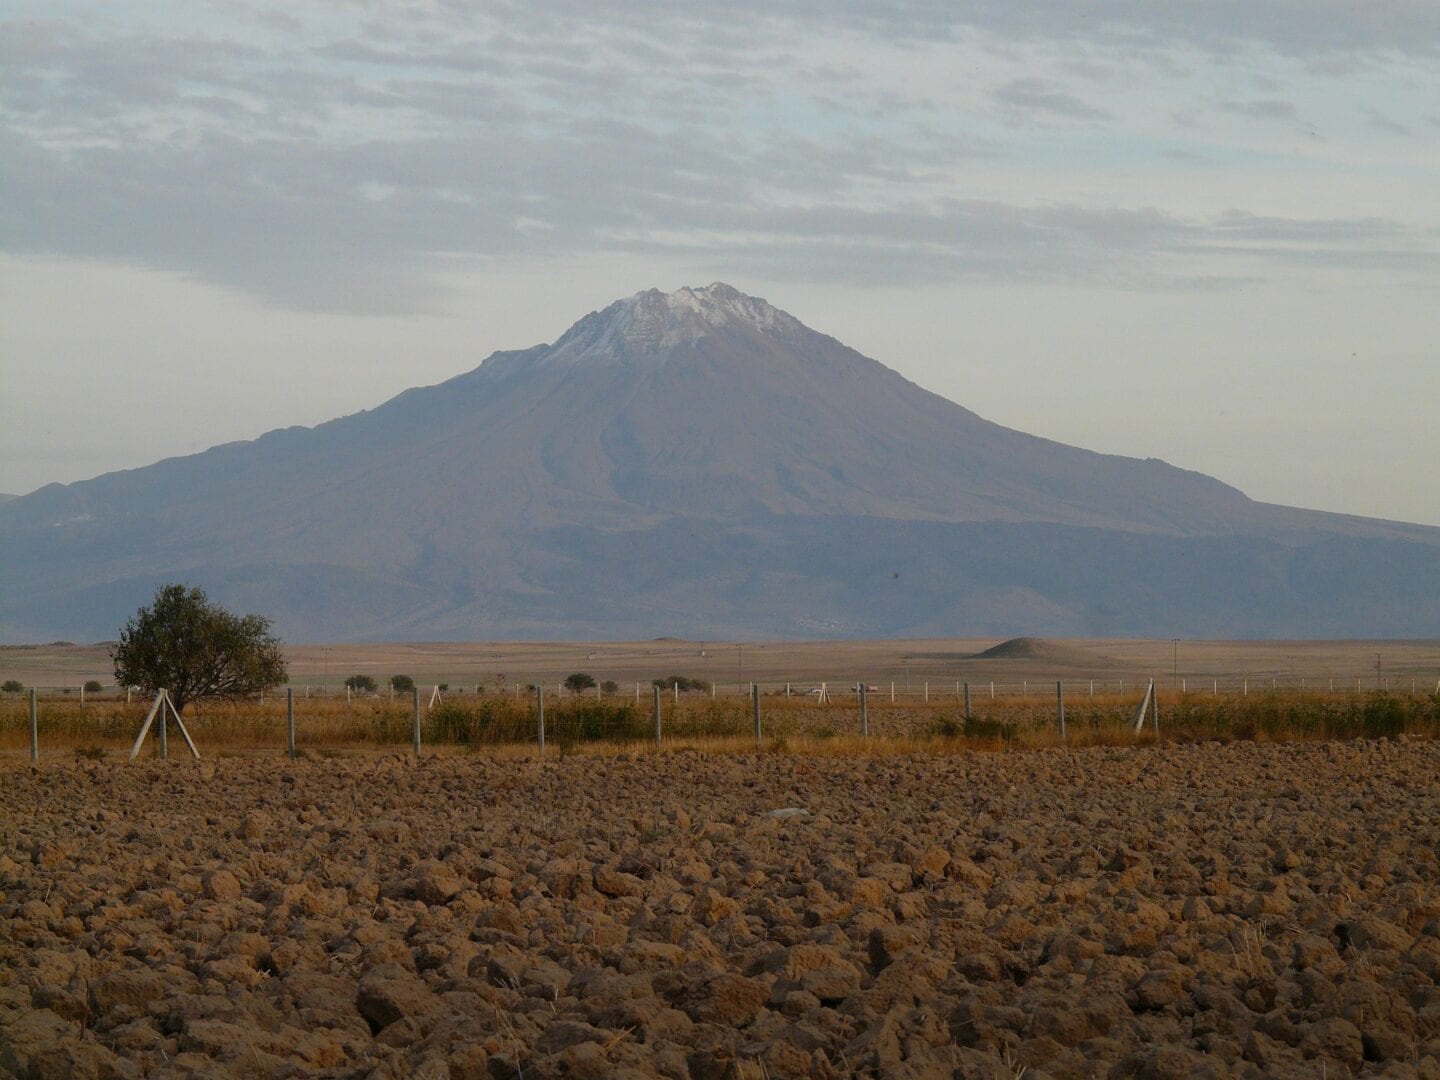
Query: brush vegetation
[[572, 721]]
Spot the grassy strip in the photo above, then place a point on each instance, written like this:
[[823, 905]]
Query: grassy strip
[[494, 721]]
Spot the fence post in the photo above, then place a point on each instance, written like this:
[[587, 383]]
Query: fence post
[[290, 721], [755, 708], [34, 729], [892, 693], [164, 744], [657, 716], [540, 716], [864, 712], [676, 693], [967, 702], [1060, 705], [415, 719]]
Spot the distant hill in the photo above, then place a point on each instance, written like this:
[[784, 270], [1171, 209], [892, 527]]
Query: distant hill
[[701, 464], [1030, 648]]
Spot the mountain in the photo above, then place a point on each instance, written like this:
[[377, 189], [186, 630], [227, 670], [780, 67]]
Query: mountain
[[697, 463]]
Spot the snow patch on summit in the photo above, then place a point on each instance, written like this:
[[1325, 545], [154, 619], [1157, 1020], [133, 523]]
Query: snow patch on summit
[[651, 323]]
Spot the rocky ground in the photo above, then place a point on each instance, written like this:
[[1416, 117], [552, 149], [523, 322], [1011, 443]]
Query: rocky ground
[[1173, 911]]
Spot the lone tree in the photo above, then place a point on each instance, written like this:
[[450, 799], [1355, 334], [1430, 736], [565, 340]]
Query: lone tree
[[362, 684], [195, 649], [579, 681], [402, 684]]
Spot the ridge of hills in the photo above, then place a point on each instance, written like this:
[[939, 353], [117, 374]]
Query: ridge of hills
[[703, 463]]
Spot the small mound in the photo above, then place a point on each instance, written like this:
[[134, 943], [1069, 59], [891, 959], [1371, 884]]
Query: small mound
[[1032, 648]]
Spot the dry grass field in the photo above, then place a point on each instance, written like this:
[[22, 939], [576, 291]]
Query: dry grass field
[[728, 664], [1250, 909], [105, 726]]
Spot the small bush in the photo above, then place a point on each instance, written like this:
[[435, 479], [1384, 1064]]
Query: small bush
[[92, 686], [609, 686], [451, 722], [947, 727], [579, 681], [402, 684], [362, 684], [12, 686], [684, 682]]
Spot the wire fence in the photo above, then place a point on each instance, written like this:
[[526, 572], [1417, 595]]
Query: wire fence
[[1029, 712], [895, 691]]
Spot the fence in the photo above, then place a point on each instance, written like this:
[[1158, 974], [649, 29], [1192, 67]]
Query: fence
[[1030, 712], [895, 691]]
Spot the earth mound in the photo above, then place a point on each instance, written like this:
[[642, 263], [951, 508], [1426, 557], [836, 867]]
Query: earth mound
[[1033, 648]]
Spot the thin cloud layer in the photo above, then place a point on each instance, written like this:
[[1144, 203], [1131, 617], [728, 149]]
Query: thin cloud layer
[[344, 158]]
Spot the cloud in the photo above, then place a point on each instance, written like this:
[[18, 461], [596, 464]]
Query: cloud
[[1039, 99], [1263, 109], [320, 160]]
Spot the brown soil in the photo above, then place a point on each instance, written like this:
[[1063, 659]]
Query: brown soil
[[1260, 910]]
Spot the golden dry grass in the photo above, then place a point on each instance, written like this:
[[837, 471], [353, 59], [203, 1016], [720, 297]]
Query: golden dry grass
[[506, 725]]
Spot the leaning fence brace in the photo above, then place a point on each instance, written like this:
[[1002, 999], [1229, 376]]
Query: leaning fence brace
[[162, 705]]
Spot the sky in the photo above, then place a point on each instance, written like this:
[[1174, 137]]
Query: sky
[[1206, 232]]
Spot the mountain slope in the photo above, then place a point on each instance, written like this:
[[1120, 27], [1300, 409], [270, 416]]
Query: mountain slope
[[696, 462]]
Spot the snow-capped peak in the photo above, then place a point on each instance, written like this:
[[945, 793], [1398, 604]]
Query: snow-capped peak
[[653, 322]]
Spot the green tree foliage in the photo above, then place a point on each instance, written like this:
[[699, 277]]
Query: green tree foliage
[[402, 684], [12, 686], [362, 684], [196, 649], [92, 686], [579, 681]]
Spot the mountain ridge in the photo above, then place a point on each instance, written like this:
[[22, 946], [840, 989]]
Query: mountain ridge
[[698, 449]]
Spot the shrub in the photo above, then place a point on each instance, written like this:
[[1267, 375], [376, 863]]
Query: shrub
[[609, 686], [12, 686], [947, 727], [92, 686], [362, 684], [402, 684], [451, 722], [579, 681], [589, 720], [684, 682]]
